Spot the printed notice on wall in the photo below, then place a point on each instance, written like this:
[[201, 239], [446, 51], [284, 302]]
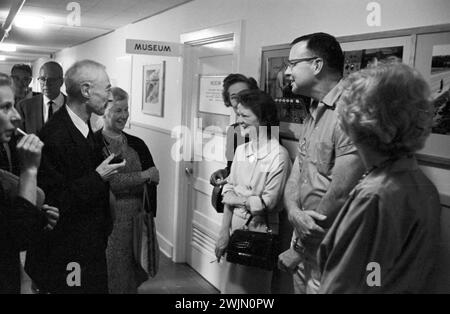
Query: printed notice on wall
[[210, 98]]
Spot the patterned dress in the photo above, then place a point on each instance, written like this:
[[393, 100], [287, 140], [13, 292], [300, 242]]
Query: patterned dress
[[124, 276]]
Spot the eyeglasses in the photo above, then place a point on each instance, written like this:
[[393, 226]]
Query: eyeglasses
[[50, 80], [292, 63]]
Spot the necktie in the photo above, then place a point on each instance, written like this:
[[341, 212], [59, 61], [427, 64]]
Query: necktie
[[90, 137], [50, 109]]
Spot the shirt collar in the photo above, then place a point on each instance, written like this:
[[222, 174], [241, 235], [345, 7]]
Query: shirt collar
[[333, 95], [59, 100], [79, 123], [328, 101], [263, 150]]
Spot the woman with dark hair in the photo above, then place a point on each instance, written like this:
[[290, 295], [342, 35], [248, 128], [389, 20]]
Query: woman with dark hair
[[124, 274], [232, 85], [255, 186]]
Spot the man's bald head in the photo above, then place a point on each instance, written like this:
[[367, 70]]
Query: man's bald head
[[81, 72]]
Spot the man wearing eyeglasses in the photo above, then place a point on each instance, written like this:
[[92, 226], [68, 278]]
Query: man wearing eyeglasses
[[22, 75], [327, 165], [37, 110]]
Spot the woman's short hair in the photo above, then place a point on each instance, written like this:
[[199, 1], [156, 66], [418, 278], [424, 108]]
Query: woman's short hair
[[262, 105], [233, 79], [119, 94], [387, 108]]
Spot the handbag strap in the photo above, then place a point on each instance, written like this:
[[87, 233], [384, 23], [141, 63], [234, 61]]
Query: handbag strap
[[145, 201], [266, 217]]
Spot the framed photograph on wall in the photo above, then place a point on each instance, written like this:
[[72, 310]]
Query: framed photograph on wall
[[433, 62], [153, 89], [363, 53]]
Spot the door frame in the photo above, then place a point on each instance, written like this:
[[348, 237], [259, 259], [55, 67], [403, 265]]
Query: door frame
[[183, 183]]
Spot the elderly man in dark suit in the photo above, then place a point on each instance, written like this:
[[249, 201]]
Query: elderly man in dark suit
[[36, 111], [75, 179]]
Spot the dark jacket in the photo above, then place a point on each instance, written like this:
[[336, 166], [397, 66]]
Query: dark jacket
[[68, 177], [31, 110], [20, 222]]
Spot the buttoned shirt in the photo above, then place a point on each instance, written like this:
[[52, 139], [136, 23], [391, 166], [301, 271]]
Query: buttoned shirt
[[79, 123], [321, 142], [58, 102], [390, 219], [260, 173]]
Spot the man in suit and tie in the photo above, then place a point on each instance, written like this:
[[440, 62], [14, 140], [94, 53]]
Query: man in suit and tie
[[75, 178], [36, 111]]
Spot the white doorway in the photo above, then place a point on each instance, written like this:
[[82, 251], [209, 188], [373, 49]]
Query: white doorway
[[210, 54]]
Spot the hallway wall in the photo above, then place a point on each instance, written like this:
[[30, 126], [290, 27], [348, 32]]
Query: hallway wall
[[265, 22]]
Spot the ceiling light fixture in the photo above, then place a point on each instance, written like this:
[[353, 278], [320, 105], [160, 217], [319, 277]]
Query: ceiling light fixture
[[2, 58], [29, 22], [8, 47]]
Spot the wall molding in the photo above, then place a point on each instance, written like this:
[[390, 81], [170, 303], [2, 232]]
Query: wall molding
[[150, 127], [164, 245]]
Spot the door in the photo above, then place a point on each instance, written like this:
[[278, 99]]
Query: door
[[210, 55]]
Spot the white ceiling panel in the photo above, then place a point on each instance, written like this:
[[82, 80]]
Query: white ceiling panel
[[98, 17]]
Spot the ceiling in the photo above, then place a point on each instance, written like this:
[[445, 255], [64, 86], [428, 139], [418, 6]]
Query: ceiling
[[97, 18]]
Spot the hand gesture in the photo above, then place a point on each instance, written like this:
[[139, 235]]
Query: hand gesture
[[29, 150], [288, 260], [152, 174], [52, 214], [221, 244], [218, 177], [105, 170], [304, 222]]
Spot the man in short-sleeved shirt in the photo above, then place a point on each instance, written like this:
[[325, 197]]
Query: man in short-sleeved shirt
[[327, 166]]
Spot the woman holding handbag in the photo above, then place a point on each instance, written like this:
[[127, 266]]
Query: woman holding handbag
[[124, 274], [255, 187]]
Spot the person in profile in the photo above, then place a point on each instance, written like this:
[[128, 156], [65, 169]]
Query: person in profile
[[75, 178], [392, 216], [23, 217]]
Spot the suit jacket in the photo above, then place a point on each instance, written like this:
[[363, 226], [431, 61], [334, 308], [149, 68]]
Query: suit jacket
[[31, 111], [68, 177]]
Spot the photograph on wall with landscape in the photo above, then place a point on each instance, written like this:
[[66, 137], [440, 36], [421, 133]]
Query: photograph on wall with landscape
[[440, 88]]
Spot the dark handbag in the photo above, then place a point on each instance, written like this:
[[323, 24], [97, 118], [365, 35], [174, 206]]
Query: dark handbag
[[145, 242], [252, 248], [216, 199]]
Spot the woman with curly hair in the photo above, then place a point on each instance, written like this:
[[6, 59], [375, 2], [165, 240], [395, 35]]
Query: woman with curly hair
[[390, 221]]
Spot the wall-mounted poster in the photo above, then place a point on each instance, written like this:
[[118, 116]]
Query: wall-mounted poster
[[153, 89], [210, 98], [440, 88], [355, 60], [433, 61]]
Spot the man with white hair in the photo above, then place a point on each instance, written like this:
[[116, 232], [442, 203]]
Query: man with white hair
[[75, 179]]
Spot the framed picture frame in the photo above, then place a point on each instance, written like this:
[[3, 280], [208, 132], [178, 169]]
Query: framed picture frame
[[153, 80], [432, 60]]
